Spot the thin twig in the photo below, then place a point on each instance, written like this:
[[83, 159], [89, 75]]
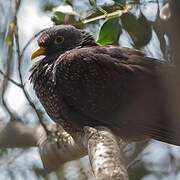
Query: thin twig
[[5, 82], [29, 42], [144, 2], [11, 80], [129, 161], [117, 13], [158, 9], [20, 56]]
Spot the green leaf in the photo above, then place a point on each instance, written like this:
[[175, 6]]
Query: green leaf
[[92, 2], [66, 18], [58, 17], [139, 29], [63, 18], [109, 31], [96, 12], [138, 172], [48, 7], [40, 172], [120, 2], [3, 151]]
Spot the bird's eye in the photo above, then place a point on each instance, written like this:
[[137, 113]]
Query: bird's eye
[[59, 40]]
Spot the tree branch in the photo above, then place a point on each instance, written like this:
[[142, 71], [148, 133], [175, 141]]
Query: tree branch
[[11, 80], [117, 13], [59, 147], [103, 150], [16, 134], [14, 27], [105, 155]]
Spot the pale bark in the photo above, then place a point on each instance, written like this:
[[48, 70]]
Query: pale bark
[[16, 134], [105, 155], [59, 147], [103, 150]]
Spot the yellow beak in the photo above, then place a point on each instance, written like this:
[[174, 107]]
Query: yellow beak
[[38, 52]]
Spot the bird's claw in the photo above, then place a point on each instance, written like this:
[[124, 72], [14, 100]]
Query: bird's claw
[[61, 138]]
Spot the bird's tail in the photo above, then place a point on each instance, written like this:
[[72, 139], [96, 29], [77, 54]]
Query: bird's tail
[[167, 131]]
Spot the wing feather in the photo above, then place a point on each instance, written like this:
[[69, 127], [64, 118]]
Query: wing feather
[[119, 88]]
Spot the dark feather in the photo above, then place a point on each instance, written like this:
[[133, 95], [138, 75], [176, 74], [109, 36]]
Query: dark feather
[[107, 85]]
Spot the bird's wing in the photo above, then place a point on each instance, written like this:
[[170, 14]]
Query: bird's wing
[[119, 88]]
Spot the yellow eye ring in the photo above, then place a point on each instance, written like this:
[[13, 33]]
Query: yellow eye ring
[[59, 40]]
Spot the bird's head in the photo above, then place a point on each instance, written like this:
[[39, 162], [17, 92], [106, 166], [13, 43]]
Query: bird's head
[[61, 38]]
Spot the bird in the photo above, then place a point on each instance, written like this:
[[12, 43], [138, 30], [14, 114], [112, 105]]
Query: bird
[[82, 83]]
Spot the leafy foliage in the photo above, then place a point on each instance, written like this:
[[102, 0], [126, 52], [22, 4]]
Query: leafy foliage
[[94, 12], [138, 172], [40, 172], [139, 29], [109, 37], [63, 18], [92, 2], [120, 2]]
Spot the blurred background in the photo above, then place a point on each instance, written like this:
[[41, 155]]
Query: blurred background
[[142, 28]]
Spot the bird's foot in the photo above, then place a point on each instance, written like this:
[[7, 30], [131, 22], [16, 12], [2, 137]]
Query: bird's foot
[[64, 139], [60, 137]]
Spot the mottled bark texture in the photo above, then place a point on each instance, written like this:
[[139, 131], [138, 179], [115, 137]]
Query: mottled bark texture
[[59, 147], [103, 150], [105, 155]]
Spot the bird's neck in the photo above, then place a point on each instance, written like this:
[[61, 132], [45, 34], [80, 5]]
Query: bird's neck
[[88, 39]]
